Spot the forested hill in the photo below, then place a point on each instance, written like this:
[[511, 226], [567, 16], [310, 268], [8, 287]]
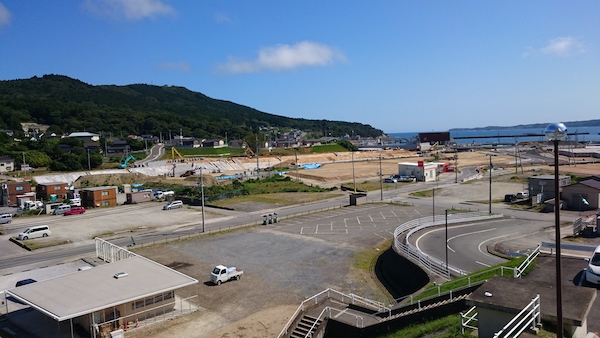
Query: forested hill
[[69, 105]]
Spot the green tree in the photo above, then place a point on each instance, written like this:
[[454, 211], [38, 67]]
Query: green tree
[[37, 158]]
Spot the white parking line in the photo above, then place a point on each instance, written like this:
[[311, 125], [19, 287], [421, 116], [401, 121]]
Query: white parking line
[[486, 265]]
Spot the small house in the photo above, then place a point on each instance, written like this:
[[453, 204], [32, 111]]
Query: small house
[[6, 164], [98, 197], [140, 196], [55, 191]]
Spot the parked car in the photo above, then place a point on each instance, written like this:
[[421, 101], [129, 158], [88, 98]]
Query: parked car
[[510, 198], [173, 205], [5, 218], [390, 180], [592, 273], [522, 194], [61, 209], [35, 232], [74, 211]]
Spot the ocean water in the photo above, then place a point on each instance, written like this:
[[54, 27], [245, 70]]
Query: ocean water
[[512, 136]]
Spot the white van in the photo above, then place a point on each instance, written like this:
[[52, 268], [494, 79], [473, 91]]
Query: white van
[[61, 209], [35, 232], [5, 218], [173, 205]]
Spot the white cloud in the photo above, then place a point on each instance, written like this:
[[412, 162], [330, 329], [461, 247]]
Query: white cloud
[[130, 10], [561, 46], [223, 18], [283, 57], [5, 16], [181, 66]]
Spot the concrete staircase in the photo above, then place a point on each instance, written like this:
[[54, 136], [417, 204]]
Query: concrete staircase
[[303, 328]]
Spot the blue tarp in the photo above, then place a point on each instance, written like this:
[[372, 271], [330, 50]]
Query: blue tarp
[[311, 166]]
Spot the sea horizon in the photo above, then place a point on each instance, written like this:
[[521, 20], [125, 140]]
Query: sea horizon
[[509, 135]]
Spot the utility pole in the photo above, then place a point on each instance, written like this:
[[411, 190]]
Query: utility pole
[[380, 178], [257, 164], [202, 188], [297, 179], [353, 177]]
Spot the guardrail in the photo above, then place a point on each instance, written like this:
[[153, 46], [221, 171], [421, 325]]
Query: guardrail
[[433, 264]]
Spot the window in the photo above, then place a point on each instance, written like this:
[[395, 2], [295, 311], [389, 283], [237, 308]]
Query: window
[[105, 204], [57, 187], [19, 188], [105, 193]]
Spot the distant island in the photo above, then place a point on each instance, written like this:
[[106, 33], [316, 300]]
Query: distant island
[[571, 124]]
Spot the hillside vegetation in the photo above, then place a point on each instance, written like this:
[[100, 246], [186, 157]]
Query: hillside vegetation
[[69, 105]]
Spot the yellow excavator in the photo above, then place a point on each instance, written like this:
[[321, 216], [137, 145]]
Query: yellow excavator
[[179, 156], [249, 152]]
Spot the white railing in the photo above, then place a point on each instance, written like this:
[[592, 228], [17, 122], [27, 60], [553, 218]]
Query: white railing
[[466, 319], [518, 272], [330, 293], [326, 313], [433, 264], [529, 317]]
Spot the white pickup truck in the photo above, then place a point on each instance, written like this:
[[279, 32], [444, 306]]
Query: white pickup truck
[[222, 274]]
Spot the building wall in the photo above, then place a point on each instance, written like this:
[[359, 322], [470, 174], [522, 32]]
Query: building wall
[[98, 198], [6, 166], [44, 191], [574, 194], [545, 186], [9, 193], [139, 196], [423, 173]]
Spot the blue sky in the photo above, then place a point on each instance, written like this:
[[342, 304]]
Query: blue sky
[[400, 66]]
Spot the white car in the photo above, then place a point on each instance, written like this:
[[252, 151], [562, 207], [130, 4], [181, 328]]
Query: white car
[[592, 273]]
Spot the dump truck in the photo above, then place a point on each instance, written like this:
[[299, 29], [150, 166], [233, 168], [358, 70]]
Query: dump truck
[[221, 274]]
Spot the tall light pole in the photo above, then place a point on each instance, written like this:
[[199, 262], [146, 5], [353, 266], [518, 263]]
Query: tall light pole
[[491, 168], [555, 132], [447, 242], [89, 165], [353, 177]]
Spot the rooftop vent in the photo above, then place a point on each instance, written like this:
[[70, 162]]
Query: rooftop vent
[[120, 275]]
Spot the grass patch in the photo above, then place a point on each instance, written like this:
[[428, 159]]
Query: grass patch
[[364, 186], [34, 245], [424, 193], [448, 326], [366, 259], [329, 148], [474, 277]]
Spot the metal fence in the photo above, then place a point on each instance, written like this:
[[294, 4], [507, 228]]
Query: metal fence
[[432, 264]]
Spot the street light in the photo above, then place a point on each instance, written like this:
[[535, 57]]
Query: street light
[[555, 132]]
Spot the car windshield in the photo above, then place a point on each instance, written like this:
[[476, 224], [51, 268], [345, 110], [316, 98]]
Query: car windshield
[[216, 270], [595, 259]]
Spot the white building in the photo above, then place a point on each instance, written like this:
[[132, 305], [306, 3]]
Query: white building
[[425, 172]]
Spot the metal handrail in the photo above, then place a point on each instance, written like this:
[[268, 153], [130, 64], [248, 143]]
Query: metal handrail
[[326, 313], [470, 316], [531, 314]]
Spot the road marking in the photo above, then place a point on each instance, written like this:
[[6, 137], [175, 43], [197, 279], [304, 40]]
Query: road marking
[[466, 234], [478, 262], [491, 239]]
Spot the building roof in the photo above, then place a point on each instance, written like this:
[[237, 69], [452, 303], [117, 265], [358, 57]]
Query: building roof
[[83, 292], [6, 159], [82, 134], [99, 188], [591, 183]]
